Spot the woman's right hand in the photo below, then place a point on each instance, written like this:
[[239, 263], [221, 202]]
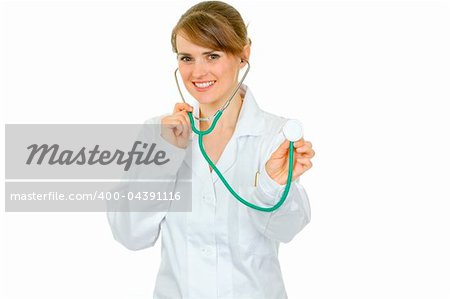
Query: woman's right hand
[[176, 128]]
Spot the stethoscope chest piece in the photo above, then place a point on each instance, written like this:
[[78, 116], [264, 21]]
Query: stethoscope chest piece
[[293, 130]]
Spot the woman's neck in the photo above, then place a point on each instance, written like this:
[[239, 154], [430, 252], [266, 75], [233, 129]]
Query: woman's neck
[[227, 120]]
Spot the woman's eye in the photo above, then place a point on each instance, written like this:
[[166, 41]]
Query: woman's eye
[[214, 56], [185, 58]]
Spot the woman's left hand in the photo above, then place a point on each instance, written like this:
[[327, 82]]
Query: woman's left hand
[[277, 166]]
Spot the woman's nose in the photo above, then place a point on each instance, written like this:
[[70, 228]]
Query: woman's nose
[[200, 69]]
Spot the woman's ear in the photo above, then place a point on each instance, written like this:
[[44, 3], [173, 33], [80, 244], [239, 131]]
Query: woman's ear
[[245, 55]]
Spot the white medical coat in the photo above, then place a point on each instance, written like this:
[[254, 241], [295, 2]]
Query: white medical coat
[[223, 249]]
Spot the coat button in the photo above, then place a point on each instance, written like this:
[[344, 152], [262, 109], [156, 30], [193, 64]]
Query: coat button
[[208, 198], [208, 250]]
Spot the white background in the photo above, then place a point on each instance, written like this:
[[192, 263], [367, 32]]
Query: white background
[[368, 79]]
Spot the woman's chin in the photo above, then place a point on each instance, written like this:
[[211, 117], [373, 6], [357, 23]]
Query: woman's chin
[[203, 99]]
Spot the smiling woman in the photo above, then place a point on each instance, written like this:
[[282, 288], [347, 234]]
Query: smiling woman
[[211, 42], [222, 249], [201, 68]]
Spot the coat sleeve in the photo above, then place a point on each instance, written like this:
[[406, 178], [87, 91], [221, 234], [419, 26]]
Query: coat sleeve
[[139, 230], [291, 217]]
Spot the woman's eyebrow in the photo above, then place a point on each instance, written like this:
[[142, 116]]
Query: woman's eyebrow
[[187, 54]]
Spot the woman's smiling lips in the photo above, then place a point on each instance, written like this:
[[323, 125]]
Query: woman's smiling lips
[[203, 85]]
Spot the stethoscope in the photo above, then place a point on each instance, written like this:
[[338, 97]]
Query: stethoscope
[[292, 131]]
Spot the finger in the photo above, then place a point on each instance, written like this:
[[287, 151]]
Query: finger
[[186, 119], [177, 131], [184, 134], [308, 154], [182, 116], [182, 107], [281, 150], [299, 169], [170, 123], [173, 118], [185, 116], [305, 163], [305, 151], [181, 128], [187, 125], [299, 143], [183, 125]]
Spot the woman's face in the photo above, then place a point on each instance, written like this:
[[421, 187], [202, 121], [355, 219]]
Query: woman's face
[[208, 75]]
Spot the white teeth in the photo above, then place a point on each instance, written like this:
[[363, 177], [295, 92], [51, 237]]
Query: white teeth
[[205, 84]]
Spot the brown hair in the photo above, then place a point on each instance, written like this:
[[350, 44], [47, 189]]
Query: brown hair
[[215, 25]]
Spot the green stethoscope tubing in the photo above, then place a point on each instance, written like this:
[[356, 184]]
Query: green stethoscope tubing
[[224, 181]]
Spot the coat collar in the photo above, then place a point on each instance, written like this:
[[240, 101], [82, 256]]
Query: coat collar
[[251, 117], [251, 122]]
